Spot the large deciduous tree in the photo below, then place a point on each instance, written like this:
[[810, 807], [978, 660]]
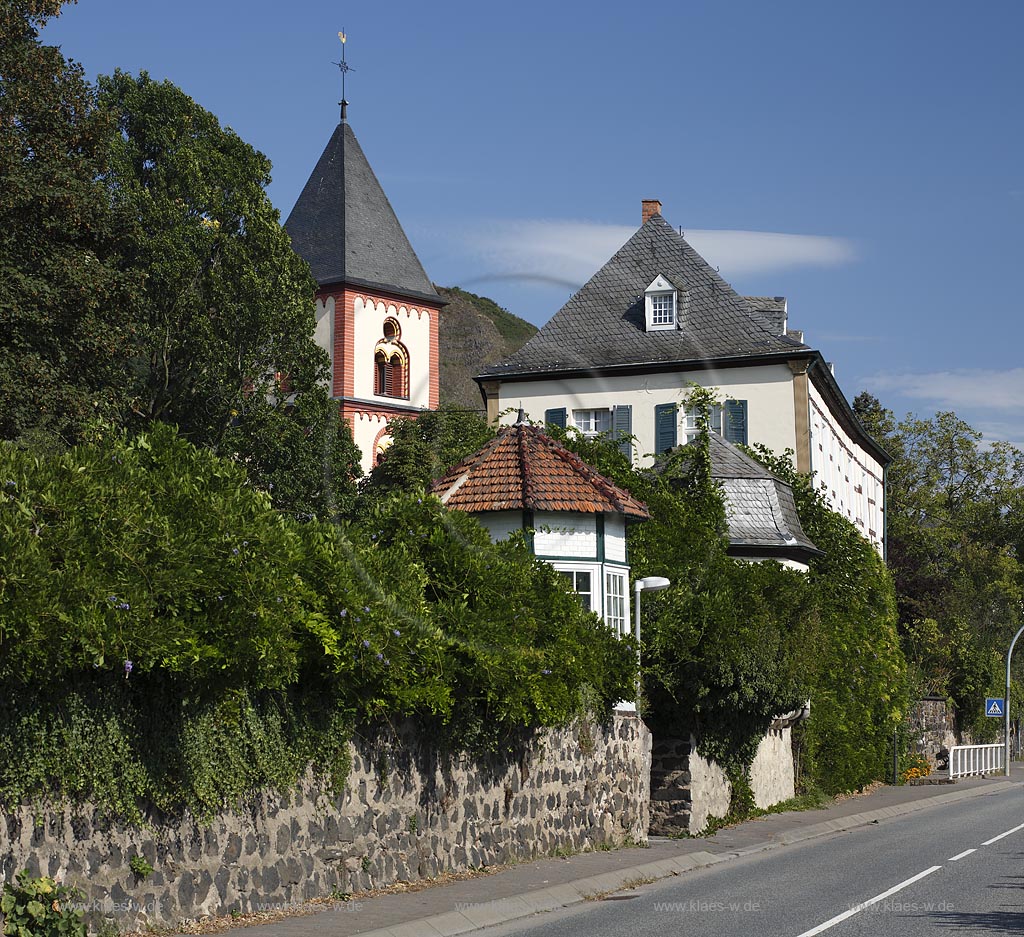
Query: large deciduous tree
[[225, 319], [64, 287], [954, 524]]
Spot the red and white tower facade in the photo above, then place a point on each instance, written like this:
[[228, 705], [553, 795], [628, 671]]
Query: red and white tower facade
[[376, 310]]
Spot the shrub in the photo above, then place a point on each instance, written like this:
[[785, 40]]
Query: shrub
[[169, 637], [38, 907]]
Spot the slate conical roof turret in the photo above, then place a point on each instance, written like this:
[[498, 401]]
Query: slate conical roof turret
[[760, 506], [344, 227]]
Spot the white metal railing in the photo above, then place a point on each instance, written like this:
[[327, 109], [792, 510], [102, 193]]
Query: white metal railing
[[965, 760]]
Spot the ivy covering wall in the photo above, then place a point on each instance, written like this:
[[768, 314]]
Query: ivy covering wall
[[731, 645]]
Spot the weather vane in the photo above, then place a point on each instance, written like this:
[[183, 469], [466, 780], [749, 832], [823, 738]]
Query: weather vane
[[344, 68]]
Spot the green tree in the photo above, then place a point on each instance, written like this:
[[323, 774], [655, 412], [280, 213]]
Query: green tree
[[423, 450], [64, 285], [954, 526], [225, 316], [725, 647]]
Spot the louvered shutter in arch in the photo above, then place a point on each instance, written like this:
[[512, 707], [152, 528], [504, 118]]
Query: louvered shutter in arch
[[556, 417], [735, 429], [665, 426], [622, 428]]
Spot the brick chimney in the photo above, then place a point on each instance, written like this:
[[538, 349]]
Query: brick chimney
[[649, 208]]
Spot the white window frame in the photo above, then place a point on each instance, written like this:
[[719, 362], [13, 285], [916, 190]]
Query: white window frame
[[657, 317], [589, 420], [691, 425], [663, 309], [616, 601], [571, 572]]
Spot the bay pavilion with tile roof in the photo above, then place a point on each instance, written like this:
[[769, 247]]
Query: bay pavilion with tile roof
[[619, 355], [376, 310], [574, 517]]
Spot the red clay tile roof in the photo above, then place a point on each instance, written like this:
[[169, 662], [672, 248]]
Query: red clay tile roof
[[524, 469]]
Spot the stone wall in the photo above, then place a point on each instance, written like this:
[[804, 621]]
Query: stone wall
[[932, 730], [687, 789], [404, 816]]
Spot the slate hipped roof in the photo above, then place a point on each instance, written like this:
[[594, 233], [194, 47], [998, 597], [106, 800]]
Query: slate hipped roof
[[344, 227], [760, 507], [523, 469], [603, 323]]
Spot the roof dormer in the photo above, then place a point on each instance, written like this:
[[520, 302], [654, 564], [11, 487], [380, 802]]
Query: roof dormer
[[661, 305]]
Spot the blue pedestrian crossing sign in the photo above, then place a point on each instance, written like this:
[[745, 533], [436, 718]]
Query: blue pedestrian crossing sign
[[994, 706]]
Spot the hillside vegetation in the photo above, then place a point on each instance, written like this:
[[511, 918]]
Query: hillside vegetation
[[475, 331]]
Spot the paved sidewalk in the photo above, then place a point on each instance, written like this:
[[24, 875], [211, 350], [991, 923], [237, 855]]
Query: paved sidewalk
[[547, 884]]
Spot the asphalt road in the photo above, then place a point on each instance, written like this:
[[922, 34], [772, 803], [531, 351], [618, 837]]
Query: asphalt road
[[956, 870]]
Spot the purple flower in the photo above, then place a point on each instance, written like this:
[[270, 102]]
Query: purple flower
[[545, 672], [366, 608], [387, 663], [396, 632], [380, 657], [279, 600], [344, 612], [128, 665], [234, 551], [366, 642]]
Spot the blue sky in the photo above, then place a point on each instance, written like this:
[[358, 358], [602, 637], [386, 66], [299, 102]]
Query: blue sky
[[864, 160]]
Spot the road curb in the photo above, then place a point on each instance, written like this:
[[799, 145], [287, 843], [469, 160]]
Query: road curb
[[475, 915]]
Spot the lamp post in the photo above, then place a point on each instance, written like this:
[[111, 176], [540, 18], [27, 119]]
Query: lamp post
[[648, 584], [1006, 700]]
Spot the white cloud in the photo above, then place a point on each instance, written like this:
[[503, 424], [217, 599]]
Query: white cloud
[[982, 389], [570, 252], [741, 252]]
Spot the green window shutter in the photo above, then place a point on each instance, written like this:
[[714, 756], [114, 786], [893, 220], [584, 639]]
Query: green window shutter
[[556, 417], [622, 428], [665, 426], [735, 419]]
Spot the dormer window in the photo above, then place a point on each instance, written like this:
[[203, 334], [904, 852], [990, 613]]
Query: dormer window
[[660, 305]]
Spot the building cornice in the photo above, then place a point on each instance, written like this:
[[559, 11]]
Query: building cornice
[[382, 289]]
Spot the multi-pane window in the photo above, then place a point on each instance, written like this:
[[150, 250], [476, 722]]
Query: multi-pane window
[[616, 609], [580, 582], [663, 309], [691, 426], [592, 422]]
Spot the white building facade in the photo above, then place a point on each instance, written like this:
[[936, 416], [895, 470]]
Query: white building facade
[[621, 355]]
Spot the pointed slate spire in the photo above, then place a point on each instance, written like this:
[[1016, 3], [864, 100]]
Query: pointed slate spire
[[344, 227]]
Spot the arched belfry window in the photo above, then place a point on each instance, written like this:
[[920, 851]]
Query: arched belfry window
[[391, 363]]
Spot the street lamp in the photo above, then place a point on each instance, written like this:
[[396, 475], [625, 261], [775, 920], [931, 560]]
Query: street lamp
[[648, 584], [1006, 700]]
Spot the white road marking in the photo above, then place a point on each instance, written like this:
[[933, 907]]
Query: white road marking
[[831, 922], [960, 855], [995, 839]]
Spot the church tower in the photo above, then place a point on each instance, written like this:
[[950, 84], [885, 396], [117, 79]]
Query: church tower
[[376, 310]]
